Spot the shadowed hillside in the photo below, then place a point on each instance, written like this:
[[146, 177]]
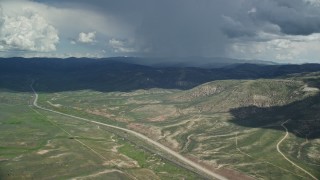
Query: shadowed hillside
[[303, 115]]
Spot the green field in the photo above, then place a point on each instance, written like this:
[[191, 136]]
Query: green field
[[230, 125], [35, 144]]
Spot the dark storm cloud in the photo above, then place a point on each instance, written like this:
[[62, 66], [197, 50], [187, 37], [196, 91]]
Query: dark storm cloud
[[294, 17], [291, 17], [167, 27], [238, 27], [203, 27], [183, 28]]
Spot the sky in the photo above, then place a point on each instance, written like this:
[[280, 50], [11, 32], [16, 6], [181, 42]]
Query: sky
[[284, 31]]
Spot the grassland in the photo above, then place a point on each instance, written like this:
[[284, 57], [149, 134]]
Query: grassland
[[36, 144], [231, 125]]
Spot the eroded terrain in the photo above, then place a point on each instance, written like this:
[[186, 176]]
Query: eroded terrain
[[224, 125]]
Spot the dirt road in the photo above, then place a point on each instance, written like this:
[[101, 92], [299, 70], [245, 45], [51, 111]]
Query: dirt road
[[278, 149]]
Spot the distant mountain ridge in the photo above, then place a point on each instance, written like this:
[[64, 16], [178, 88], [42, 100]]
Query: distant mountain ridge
[[201, 62], [120, 74]]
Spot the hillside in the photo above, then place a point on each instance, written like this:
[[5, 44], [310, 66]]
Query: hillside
[[231, 120], [228, 124]]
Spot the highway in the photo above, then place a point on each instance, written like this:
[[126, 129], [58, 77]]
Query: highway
[[138, 135]]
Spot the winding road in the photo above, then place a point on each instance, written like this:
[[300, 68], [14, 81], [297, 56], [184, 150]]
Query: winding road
[[142, 137], [278, 149]]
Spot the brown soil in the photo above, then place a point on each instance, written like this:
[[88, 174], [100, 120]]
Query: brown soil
[[149, 131], [226, 172], [107, 114]]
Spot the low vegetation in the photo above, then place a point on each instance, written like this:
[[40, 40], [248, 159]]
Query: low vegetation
[[36, 144], [233, 125], [230, 120]]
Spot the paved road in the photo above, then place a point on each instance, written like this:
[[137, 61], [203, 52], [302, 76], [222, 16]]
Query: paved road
[[278, 149], [145, 138]]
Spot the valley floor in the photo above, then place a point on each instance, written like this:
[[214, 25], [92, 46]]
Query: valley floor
[[253, 129]]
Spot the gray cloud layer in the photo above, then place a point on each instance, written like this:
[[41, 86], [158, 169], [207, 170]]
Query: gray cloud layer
[[294, 17], [263, 29], [204, 27]]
